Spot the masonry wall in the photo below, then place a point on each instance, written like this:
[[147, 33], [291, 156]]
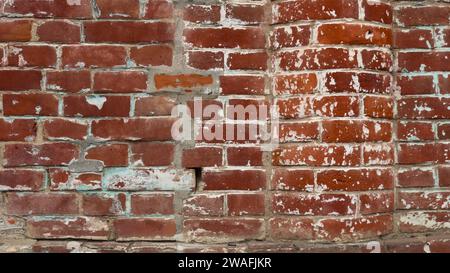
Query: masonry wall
[[89, 162]]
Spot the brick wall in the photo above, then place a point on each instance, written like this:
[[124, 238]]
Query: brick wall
[[89, 161]]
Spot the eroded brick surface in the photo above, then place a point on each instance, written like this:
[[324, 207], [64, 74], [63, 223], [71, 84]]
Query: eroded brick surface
[[89, 162]]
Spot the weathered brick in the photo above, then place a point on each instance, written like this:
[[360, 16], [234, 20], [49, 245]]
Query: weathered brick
[[144, 229], [96, 106], [41, 204], [21, 180], [33, 104], [69, 227], [152, 154], [65, 129], [59, 31], [17, 129], [47, 154], [11, 80], [234, 180], [128, 32], [112, 155], [90, 56], [154, 203]]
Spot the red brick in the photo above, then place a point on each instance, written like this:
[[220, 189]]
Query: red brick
[[154, 106], [21, 180], [63, 180], [247, 61], [415, 131], [152, 129], [415, 178], [35, 104], [119, 9], [416, 153], [152, 55], [291, 228], [202, 157], [291, 11], [378, 154], [319, 155], [154, 203], [103, 204], [182, 81], [46, 154], [424, 108], [357, 82], [120, 82], [15, 30], [17, 129], [128, 32], [65, 129], [423, 61], [245, 38], [245, 204], [205, 14], [423, 15], [355, 180], [442, 153], [234, 180], [422, 221], [205, 60], [354, 34], [248, 109], [442, 36], [298, 131], [413, 38], [292, 180], [339, 106], [204, 205], [315, 59], [69, 81], [12, 80], [323, 204], [296, 84], [377, 11], [242, 85], [203, 106], [50, 9], [112, 155], [89, 56], [32, 56], [444, 176], [223, 230], [144, 229], [244, 156], [152, 154], [158, 9], [377, 59], [414, 85], [96, 106], [355, 228], [423, 200], [59, 32], [379, 107], [289, 36], [355, 131], [247, 14], [371, 203], [443, 131], [444, 84], [41, 204], [69, 227]]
